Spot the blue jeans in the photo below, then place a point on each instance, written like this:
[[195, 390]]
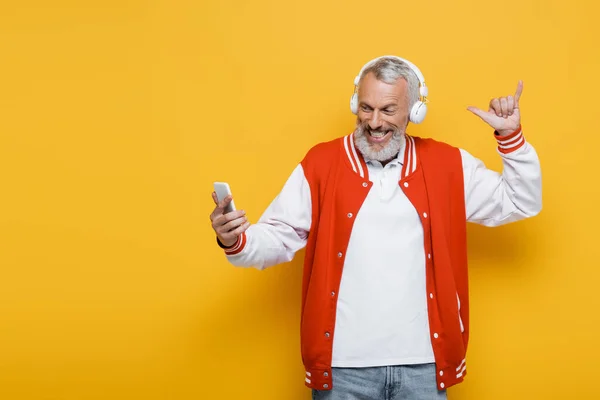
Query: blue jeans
[[402, 382]]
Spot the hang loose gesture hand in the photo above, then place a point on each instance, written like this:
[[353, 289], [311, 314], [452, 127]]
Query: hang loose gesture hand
[[503, 114]]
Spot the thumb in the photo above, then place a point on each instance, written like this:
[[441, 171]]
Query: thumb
[[479, 112]]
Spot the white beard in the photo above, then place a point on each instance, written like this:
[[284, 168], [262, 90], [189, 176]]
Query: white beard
[[390, 150]]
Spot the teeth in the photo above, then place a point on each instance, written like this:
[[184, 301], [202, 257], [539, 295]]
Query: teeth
[[377, 134]]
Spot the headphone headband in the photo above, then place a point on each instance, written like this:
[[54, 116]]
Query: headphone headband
[[422, 88]]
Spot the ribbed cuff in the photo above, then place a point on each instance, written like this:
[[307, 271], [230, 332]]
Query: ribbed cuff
[[236, 248], [509, 143], [221, 245]]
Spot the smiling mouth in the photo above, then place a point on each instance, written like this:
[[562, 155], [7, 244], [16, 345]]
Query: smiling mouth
[[380, 135]]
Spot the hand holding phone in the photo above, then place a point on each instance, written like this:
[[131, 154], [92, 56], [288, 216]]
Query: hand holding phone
[[227, 222]]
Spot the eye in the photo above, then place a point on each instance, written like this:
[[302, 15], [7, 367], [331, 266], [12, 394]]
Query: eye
[[366, 108], [388, 111]]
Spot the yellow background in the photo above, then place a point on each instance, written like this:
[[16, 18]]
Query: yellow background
[[117, 116]]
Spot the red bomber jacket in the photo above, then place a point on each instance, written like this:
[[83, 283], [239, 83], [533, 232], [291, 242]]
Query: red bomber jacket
[[432, 179]]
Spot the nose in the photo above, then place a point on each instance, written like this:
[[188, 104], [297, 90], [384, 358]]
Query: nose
[[375, 121]]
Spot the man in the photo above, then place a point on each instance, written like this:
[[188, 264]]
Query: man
[[383, 217]]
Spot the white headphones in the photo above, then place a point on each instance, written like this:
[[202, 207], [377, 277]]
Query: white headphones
[[418, 110]]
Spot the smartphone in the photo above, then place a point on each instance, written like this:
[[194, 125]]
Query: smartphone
[[223, 190]]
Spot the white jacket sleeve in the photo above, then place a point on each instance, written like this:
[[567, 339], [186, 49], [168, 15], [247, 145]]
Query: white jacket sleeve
[[494, 199], [281, 231]]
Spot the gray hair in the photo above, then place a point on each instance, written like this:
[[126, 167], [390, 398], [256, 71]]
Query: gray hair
[[389, 70]]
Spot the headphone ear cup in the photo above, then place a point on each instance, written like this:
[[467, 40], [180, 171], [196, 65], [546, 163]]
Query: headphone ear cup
[[354, 104], [418, 112]]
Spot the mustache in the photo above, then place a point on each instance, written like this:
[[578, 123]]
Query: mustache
[[363, 127]]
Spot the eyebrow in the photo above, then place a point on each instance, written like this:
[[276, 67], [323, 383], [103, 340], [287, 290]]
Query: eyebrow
[[364, 103]]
